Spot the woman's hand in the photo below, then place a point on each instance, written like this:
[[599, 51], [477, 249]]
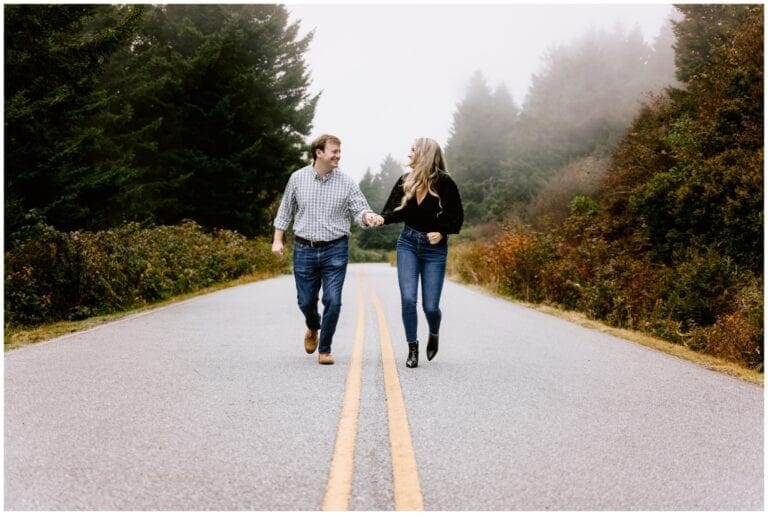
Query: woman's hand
[[372, 219], [434, 237]]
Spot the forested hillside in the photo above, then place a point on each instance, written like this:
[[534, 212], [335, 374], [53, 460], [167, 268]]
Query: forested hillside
[[578, 105], [670, 241]]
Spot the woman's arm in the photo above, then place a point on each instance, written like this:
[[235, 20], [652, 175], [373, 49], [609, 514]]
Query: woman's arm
[[393, 202], [452, 217]]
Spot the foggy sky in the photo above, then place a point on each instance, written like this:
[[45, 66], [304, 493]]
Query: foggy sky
[[392, 73]]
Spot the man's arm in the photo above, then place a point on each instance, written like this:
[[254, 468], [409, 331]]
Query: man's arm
[[283, 218], [358, 206]]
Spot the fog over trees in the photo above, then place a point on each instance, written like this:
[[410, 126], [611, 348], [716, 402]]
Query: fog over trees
[[578, 105], [527, 162]]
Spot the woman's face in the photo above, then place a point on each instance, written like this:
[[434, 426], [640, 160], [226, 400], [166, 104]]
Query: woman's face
[[412, 154]]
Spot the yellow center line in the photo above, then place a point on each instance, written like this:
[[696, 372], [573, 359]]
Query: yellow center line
[[404, 471], [339, 486]]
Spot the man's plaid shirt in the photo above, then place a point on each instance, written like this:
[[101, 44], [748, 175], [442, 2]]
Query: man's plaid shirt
[[321, 207]]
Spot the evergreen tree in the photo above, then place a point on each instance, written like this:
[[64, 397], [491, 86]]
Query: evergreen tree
[[474, 153], [53, 56], [579, 105], [385, 180], [219, 108], [376, 189], [480, 125], [709, 195], [367, 187], [662, 60], [704, 30]]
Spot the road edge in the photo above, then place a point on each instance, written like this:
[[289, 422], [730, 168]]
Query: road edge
[[712, 363]]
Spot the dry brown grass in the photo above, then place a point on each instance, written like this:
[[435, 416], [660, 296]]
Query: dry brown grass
[[19, 337], [680, 351]]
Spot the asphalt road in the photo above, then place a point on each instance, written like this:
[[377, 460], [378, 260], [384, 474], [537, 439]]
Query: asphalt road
[[212, 404]]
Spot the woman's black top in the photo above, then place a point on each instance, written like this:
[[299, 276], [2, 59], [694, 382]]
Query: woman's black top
[[445, 217]]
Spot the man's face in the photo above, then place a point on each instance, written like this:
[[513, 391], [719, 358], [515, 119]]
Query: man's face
[[330, 156]]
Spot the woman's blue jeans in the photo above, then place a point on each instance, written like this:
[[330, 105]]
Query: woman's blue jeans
[[313, 267], [416, 257]]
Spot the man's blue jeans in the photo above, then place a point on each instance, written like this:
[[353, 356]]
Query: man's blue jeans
[[313, 267], [416, 257]]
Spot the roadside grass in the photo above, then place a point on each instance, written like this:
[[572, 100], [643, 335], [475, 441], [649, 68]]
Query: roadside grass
[[674, 349], [680, 351], [16, 337], [19, 337]]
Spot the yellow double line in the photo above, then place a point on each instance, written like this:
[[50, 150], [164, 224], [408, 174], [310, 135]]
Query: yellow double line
[[407, 488]]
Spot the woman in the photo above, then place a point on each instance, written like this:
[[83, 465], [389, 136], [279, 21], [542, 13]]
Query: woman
[[428, 201]]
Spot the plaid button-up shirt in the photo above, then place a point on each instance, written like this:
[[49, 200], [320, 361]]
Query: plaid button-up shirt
[[321, 208]]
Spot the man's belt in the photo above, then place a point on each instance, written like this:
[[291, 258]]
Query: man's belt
[[317, 244]]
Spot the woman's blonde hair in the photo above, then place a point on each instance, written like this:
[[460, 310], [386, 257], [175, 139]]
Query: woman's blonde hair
[[426, 164]]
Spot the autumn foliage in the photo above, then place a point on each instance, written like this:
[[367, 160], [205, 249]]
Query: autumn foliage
[[672, 243]]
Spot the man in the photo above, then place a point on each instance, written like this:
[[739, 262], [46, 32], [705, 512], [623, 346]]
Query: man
[[321, 199]]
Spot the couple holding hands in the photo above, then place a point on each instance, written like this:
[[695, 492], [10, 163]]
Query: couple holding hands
[[320, 199]]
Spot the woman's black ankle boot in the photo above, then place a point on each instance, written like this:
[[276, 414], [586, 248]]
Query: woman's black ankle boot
[[432, 346], [413, 355]]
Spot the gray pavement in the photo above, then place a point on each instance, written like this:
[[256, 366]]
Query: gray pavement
[[212, 404]]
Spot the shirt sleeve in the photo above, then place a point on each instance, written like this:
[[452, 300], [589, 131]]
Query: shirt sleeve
[[393, 202], [287, 206], [452, 217], [358, 205]]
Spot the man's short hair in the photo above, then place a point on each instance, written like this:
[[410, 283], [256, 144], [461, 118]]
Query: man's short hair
[[320, 142]]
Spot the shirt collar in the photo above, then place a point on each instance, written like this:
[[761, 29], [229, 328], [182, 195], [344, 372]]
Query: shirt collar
[[327, 176]]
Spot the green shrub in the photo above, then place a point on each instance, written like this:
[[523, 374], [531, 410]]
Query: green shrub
[[702, 283], [706, 301], [54, 275]]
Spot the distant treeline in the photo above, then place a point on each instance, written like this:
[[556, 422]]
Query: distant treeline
[[509, 160], [151, 114], [669, 238]]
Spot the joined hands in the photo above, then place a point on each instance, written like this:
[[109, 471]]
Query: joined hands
[[373, 220]]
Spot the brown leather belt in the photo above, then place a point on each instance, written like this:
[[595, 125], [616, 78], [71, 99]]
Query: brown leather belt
[[317, 244]]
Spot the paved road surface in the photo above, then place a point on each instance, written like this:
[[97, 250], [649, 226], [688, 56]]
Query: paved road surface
[[213, 404]]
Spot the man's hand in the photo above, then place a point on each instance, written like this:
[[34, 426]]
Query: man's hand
[[372, 219], [277, 248]]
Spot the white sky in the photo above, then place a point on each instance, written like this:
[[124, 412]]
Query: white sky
[[390, 73]]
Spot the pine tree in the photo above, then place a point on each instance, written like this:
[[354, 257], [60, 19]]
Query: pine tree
[[219, 111], [376, 189], [710, 197], [475, 150], [700, 35], [53, 57], [580, 104]]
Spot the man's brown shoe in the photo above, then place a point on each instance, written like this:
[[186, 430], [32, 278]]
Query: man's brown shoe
[[325, 359], [310, 340]]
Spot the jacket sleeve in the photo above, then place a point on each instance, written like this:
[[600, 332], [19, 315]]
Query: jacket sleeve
[[452, 217], [395, 197]]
